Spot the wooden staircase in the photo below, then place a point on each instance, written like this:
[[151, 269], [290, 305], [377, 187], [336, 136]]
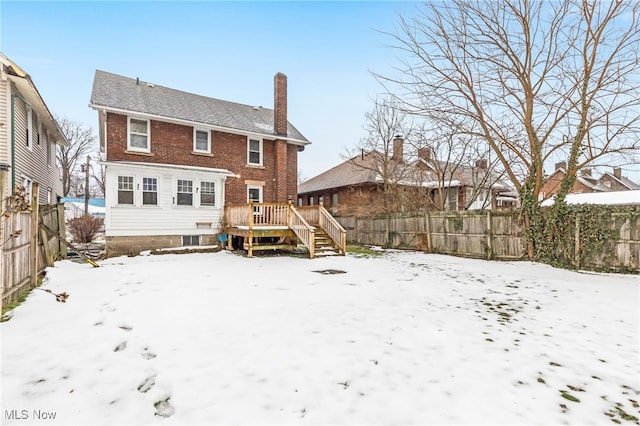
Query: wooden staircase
[[323, 244], [258, 224]]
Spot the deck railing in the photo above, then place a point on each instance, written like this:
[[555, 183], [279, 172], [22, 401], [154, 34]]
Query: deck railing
[[301, 220], [310, 213], [256, 214], [303, 230], [333, 229]]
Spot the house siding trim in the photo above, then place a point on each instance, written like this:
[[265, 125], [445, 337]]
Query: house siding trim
[[102, 108]]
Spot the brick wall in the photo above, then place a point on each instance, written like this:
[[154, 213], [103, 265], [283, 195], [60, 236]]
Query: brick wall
[[552, 185], [173, 144]]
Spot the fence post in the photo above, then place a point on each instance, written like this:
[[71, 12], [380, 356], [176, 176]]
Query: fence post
[[62, 230], [489, 236], [4, 171], [576, 248], [428, 229], [34, 249]]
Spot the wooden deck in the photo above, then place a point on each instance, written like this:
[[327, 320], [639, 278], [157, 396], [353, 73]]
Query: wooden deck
[[272, 226]]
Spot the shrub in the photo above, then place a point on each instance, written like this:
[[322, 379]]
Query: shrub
[[84, 229]]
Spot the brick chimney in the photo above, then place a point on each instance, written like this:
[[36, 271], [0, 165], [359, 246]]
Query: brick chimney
[[398, 148], [617, 172], [481, 163], [280, 104], [561, 165], [425, 153]]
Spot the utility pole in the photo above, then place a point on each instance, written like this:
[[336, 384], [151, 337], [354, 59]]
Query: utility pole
[[86, 187]]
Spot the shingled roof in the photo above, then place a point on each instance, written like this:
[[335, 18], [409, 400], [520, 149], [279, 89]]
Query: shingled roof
[[358, 170], [623, 180], [115, 92], [362, 169]]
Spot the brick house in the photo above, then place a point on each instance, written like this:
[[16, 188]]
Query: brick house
[[29, 135], [586, 183], [356, 186], [174, 159]]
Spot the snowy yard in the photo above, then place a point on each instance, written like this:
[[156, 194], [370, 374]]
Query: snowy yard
[[403, 338]]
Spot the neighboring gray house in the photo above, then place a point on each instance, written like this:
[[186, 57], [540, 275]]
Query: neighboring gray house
[[29, 134]]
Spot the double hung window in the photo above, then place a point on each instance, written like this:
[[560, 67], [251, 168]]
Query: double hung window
[[201, 141], [125, 189], [254, 152], [207, 193], [138, 135], [185, 192], [149, 191]]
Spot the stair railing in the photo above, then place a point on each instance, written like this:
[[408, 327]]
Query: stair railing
[[302, 229], [333, 229]]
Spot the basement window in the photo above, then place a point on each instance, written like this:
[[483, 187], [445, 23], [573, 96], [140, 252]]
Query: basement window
[[191, 240]]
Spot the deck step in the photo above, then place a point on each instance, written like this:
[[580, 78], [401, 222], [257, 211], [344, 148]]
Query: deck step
[[323, 244]]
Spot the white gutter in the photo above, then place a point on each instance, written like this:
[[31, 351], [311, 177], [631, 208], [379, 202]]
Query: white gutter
[[195, 123], [223, 172]]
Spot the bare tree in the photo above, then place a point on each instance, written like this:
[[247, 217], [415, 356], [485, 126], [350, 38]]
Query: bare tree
[[536, 81], [81, 142], [98, 173], [382, 151], [452, 161]]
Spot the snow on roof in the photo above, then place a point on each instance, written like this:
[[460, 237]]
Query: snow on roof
[[622, 198]]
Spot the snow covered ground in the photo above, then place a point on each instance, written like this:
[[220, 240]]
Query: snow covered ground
[[403, 338]]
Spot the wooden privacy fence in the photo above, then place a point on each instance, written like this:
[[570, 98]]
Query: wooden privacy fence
[[487, 235], [25, 251]]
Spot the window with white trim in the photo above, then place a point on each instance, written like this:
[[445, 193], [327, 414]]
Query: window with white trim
[[201, 140], [39, 129], [47, 144], [27, 184], [254, 151], [150, 191], [254, 193], [29, 126], [125, 190], [185, 192], [207, 193], [138, 138], [451, 200]]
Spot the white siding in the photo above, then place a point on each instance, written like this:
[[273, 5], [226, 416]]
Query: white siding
[[32, 162], [4, 129], [4, 122], [166, 218]]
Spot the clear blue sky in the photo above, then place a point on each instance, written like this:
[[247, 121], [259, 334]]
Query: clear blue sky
[[225, 50]]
